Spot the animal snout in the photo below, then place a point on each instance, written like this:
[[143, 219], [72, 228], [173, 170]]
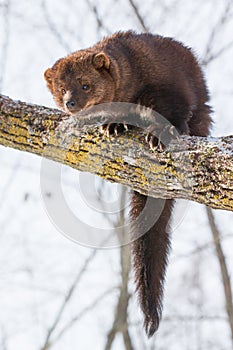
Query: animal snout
[[71, 104]]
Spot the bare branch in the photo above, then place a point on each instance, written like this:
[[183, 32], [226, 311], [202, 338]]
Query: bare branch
[[138, 15], [223, 267], [99, 21], [77, 318], [66, 300], [127, 340], [202, 248], [217, 54], [191, 318], [209, 56], [120, 322], [53, 28]]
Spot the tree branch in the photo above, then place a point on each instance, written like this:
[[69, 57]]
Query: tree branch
[[223, 268], [193, 168], [138, 15], [66, 300], [120, 322]]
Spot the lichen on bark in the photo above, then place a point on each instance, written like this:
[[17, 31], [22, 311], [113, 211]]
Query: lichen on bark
[[194, 168]]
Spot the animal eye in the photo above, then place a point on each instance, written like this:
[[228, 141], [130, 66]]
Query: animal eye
[[85, 87], [63, 91]]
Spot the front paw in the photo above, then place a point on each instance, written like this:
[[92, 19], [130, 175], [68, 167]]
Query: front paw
[[159, 138], [154, 142], [114, 128]]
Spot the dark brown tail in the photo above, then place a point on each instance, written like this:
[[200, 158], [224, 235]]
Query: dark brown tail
[[150, 254]]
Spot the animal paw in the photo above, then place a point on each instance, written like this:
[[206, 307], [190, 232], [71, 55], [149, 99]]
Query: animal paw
[[159, 138], [114, 128], [154, 142]]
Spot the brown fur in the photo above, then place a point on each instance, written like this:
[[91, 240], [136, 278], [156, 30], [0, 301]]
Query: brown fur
[[156, 72]]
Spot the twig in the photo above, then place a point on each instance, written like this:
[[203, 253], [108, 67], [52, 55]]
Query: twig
[[67, 299], [188, 318], [120, 322], [53, 27], [209, 55], [99, 21], [82, 313], [201, 248], [223, 267], [138, 15]]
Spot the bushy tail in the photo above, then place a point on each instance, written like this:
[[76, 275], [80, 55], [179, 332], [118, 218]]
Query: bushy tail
[[150, 254]]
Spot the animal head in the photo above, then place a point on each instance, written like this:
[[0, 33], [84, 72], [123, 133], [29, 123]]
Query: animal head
[[81, 80]]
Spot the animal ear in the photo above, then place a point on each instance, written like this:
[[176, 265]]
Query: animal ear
[[101, 60], [48, 75]]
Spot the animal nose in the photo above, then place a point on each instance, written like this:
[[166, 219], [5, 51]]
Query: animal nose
[[70, 104]]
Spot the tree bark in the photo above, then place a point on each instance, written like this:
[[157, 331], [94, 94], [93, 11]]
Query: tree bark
[[193, 168]]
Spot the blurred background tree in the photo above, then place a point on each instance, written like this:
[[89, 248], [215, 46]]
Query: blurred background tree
[[56, 294]]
